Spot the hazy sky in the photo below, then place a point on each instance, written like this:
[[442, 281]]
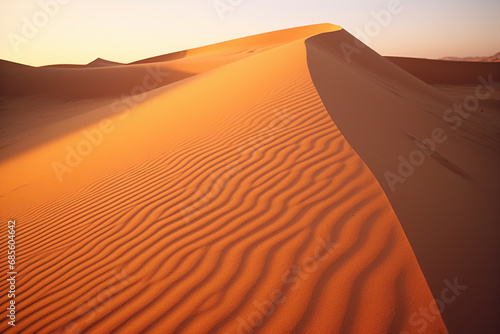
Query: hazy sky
[[40, 32]]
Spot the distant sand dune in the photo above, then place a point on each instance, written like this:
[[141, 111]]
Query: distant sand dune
[[447, 72], [494, 58], [99, 62]]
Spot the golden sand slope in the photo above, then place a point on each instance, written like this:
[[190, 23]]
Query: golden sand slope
[[228, 202]]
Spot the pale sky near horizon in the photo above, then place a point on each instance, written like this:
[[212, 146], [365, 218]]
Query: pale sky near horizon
[[42, 32]]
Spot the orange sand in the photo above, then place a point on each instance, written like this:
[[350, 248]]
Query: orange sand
[[225, 201]]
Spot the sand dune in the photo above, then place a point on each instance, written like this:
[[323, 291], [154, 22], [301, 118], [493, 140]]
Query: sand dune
[[83, 82], [99, 62], [233, 197], [447, 72]]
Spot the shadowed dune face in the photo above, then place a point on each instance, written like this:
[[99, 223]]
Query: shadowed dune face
[[223, 203], [446, 191], [99, 62], [86, 82]]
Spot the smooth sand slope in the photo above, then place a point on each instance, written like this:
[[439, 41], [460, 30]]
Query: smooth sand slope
[[226, 201], [446, 198]]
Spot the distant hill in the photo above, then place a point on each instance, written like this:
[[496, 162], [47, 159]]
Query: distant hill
[[490, 59]]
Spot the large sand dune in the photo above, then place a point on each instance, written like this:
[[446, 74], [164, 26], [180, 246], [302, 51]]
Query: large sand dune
[[234, 197]]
